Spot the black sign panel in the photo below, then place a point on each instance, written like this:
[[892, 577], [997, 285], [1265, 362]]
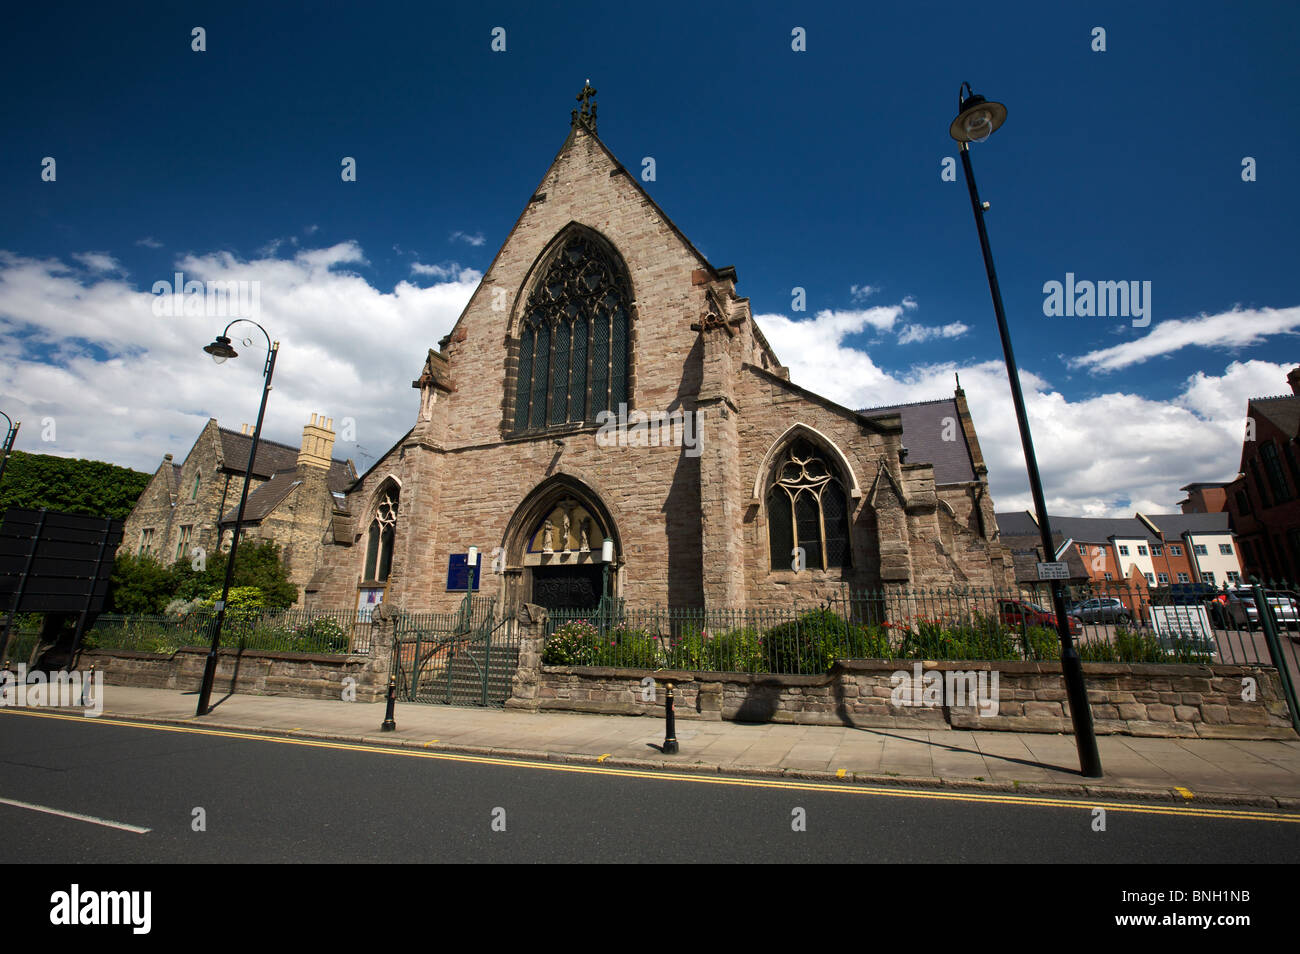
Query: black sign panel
[[56, 562]]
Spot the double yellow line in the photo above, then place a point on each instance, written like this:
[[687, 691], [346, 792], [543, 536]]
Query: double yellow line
[[794, 785]]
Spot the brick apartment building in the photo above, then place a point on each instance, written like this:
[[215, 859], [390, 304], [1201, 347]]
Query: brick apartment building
[[1143, 551], [1264, 499], [725, 471]]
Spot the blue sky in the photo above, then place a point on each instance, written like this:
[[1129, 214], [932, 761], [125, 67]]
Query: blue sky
[[817, 169]]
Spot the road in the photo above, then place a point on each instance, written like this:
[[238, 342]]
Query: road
[[275, 800]]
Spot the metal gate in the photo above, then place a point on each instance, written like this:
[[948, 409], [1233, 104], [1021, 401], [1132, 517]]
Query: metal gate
[[466, 658]]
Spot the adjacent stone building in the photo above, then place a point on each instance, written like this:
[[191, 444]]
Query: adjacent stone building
[[292, 497], [606, 382]]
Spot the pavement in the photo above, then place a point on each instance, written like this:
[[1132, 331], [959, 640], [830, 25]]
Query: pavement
[[1264, 774]]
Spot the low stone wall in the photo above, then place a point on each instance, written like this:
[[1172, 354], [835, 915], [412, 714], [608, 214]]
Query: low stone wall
[[256, 672], [1132, 699]]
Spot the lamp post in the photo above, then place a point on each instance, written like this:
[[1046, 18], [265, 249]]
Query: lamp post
[[977, 119], [606, 558], [220, 350], [11, 435]]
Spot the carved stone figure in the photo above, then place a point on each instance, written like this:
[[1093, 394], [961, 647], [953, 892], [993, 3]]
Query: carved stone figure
[[584, 546], [565, 531], [548, 538]]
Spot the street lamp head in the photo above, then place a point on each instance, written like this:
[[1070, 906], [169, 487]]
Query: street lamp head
[[220, 349], [978, 118], [607, 551]]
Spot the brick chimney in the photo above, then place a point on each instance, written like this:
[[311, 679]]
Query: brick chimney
[[317, 442], [1293, 379]]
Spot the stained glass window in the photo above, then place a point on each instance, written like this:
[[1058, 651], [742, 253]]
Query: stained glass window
[[573, 341], [806, 507]]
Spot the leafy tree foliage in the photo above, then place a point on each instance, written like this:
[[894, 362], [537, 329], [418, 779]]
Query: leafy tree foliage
[[70, 485], [141, 585]]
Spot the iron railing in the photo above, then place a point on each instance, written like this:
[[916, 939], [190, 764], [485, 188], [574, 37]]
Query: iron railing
[[1110, 623]]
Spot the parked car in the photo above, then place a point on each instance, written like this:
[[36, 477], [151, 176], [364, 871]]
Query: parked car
[[1236, 609], [1104, 609], [1017, 613]]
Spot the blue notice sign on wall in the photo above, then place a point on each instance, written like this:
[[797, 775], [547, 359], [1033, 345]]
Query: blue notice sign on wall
[[458, 573]]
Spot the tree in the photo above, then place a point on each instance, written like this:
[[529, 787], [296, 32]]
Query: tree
[[140, 584], [257, 565], [70, 485]]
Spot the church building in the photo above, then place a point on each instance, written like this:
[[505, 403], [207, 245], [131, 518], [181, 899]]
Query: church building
[[606, 413]]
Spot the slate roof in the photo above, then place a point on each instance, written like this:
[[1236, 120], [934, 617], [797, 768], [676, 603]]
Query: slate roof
[[1284, 411], [274, 457], [923, 427], [1079, 529], [262, 500], [1176, 524]]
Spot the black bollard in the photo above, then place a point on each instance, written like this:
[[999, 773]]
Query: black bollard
[[389, 725], [670, 725]]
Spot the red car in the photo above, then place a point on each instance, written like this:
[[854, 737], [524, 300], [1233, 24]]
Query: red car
[[1017, 613]]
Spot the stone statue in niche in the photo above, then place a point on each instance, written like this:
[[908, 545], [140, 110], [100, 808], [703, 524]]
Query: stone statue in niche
[[548, 537], [584, 544], [565, 531]]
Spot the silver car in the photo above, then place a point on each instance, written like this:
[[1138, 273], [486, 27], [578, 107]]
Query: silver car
[[1101, 610]]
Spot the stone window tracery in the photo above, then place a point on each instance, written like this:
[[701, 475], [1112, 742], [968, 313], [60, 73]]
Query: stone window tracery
[[573, 339], [807, 507], [382, 533]]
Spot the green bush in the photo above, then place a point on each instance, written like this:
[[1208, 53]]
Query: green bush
[[812, 643], [735, 650], [1138, 647], [626, 646], [572, 644], [980, 638], [324, 634], [1045, 643], [1098, 650]]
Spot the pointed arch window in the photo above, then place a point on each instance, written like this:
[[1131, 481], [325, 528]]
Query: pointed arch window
[[379, 539], [573, 339], [807, 507]]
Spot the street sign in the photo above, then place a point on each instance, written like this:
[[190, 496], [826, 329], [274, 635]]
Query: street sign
[[1053, 571]]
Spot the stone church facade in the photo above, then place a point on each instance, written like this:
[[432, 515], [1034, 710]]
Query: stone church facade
[[606, 382]]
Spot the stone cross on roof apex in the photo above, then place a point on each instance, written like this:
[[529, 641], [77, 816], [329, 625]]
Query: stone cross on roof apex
[[586, 117]]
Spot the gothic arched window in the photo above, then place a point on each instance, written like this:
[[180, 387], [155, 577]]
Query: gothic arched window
[[379, 542], [807, 507], [573, 339]]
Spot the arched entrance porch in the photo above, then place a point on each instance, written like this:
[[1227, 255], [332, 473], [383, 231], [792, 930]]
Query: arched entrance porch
[[554, 547]]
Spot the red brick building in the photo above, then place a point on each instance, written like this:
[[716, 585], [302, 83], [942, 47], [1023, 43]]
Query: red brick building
[[1264, 500]]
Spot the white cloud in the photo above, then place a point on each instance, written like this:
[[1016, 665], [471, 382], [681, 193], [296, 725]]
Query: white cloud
[[149, 242], [442, 272], [124, 385], [910, 334], [861, 293], [1103, 455], [1229, 330], [476, 239], [98, 261]]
